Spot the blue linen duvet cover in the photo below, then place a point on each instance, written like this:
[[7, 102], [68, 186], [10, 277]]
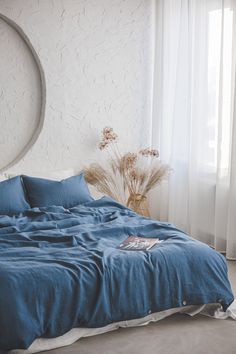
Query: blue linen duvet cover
[[61, 269]]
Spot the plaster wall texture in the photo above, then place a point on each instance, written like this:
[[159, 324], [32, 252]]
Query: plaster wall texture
[[97, 61]]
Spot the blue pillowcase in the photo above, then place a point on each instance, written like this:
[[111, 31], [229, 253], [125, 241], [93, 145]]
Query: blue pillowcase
[[12, 197], [67, 193]]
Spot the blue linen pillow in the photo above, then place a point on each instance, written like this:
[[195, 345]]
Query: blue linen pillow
[[12, 197], [67, 193]]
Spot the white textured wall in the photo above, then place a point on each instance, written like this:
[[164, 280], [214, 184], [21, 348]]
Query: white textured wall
[[96, 56]]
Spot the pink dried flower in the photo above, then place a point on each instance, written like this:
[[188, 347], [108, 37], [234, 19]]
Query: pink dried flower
[[133, 175], [149, 152], [129, 160], [108, 136], [107, 130], [102, 145]]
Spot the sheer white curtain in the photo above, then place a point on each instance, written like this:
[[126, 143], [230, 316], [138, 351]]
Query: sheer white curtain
[[194, 120]]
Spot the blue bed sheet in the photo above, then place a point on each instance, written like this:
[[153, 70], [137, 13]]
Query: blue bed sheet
[[61, 269]]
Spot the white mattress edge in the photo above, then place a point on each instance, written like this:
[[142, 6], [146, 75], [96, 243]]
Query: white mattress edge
[[44, 344]]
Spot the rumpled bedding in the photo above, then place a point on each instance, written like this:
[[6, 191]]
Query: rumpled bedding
[[61, 269]]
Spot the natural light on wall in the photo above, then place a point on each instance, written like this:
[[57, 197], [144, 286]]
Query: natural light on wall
[[219, 88]]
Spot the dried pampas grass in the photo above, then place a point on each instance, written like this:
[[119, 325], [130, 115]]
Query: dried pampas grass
[[126, 175]]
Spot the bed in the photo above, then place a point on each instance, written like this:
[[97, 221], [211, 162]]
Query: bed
[[61, 270]]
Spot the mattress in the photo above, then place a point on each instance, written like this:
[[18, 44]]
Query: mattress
[[43, 344]]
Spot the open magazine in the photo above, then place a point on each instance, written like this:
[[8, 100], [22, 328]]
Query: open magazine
[[135, 243]]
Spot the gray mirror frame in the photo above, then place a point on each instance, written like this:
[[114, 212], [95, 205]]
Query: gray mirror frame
[[41, 117]]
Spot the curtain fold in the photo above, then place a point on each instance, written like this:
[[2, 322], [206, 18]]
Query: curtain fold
[[194, 120]]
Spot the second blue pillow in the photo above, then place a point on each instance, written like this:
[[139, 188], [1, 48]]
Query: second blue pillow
[[67, 193]]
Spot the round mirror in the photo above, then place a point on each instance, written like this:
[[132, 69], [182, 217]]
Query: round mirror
[[22, 90]]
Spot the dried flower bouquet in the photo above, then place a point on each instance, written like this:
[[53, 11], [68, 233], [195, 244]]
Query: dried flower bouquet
[[126, 177]]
